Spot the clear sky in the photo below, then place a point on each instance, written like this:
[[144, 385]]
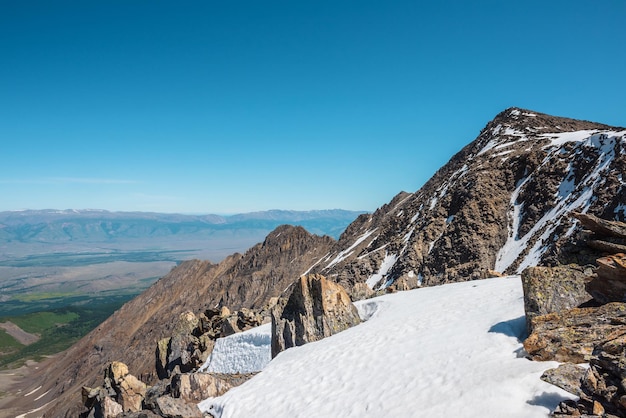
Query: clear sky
[[235, 106]]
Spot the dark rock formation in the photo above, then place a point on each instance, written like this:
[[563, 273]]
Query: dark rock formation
[[194, 387], [312, 309], [601, 388], [571, 336], [548, 290], [609, 283], [122, 392]]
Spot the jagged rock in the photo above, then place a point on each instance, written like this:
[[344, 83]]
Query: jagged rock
[[229, 326], [609, 284], [180, 347], [108, 408], [567, 376], [170, 407], [601, 388], [247, 318], [314, 308], [161, 357], [129, 390], [361, 291], [570, 336], [161, 388], [552, 289], [601, 226], [194, 387]]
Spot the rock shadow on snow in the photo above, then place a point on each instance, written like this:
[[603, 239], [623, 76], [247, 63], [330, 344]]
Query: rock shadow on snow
[[548, 400], [512, 328]]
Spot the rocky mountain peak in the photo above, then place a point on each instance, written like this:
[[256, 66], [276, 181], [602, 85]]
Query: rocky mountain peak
[[497, 206]]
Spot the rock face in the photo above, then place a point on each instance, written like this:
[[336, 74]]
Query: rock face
[[314, 308], [601, 388], [609, 285], [548, 290], [571, 336]]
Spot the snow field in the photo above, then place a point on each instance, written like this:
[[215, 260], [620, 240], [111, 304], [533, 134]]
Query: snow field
[[451, 350]]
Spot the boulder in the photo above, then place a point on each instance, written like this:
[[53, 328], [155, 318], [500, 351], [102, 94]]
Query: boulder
[[361, 291], [170, 407], [129, 390], [552, 289], [570, 336], [312, 308], [601, 226], [609, 284], [108, 408], [567, 376], [194, 387], [601, 388], [179, 351]]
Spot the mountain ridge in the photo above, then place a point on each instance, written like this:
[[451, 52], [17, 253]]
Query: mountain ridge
[[456, 226]]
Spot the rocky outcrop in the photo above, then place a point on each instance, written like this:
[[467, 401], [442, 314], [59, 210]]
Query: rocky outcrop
[[571, 336], [122, 392], [312, 308], [194, 387], [122, 395], [557, 289], [601, 388], [609, 283], [593, 334]]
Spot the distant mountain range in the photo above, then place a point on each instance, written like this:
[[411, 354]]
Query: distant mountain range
[[56, 226]]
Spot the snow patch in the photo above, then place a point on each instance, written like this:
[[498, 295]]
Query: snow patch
[[347, 252], [385, 266], [243, 352]]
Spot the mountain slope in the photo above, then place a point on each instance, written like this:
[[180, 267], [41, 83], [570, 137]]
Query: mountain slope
[[501, 204], [132, 332]]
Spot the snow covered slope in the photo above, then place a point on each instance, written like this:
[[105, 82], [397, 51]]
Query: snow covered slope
[[442, 351], [501, 204]]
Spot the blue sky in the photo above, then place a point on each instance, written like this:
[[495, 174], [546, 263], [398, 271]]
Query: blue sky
[[236, 106]]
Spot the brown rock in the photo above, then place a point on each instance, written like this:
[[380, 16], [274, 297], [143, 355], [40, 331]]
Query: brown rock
[[117, 371], [552, 289], [194, 387], [109, 408], [131, 393], [567, 376], [598, 409], [314, 308], [571, 336], [361, 291], [177, 408], [602, 226], [609, 285]]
